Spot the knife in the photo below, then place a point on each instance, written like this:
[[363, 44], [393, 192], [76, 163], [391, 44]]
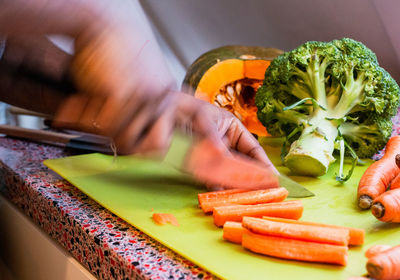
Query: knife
[[82, 141], [210, 166]]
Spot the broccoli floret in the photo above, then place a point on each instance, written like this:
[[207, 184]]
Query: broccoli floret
[[324, 94]]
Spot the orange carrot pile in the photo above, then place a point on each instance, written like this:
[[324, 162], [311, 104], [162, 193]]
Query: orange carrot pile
[[377, 177], [262, 222], [291, 239], [291, 209], [385, 265], [207, 203]]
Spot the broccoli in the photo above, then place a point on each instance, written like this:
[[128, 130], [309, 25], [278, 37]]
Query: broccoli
[[327, 96]]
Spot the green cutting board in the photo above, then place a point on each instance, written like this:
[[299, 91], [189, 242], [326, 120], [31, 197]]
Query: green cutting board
[[135, 188]]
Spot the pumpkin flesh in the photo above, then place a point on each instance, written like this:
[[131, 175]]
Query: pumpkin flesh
[[232, 84]]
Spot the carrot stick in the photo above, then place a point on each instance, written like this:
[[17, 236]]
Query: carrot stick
[[357, 235], [377, 177], [233, 232], [249, 197], [164, 218], [218, 194], [386, 265], [292, 209], [335, 236], [375, 250], [294, 249], [386, 207]]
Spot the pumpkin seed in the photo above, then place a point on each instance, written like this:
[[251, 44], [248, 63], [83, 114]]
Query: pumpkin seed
[[222, 100], [238, 88]]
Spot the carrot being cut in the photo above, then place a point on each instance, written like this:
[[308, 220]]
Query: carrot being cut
[[386, 265], [205, 196], [375, 250], [386, 207], [291, 209], [233, 232], [249, 197], [165, 218], [294, 249], [357, 235], [378, 175], [336, 236]]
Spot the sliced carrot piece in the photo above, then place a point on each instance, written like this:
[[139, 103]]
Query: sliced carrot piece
[[386, 265], [292, 209], [233, 232], [375, 250], [164, 218], [294, 249], [249, 197], [336, 236], [357, 235], [218, 194]]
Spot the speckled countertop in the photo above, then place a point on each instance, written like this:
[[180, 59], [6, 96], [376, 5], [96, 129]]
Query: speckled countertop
[[106, 245]]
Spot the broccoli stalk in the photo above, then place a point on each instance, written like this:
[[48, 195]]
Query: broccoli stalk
[[311, 154], [336, 95]]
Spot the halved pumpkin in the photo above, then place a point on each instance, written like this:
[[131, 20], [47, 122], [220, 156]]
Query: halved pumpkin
[[229, 77]]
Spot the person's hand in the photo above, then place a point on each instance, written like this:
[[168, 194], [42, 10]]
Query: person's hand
[[123, 88]]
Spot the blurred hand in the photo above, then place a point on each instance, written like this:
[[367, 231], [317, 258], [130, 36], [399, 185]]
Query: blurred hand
[[123, 88]]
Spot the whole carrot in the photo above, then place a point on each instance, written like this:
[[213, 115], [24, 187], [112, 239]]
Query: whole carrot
[[375, 250], [395, 184], [386, 207], [377, 177], [386, 265]]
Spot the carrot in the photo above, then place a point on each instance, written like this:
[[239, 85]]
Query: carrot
[[292, 209], [233, 232], [249, 197], [386, 265], [218, 194], [375, 250], [386, 207], [395, 184], [336, 236], [357, 235], [294, 249], [164, 218], [377, 177]]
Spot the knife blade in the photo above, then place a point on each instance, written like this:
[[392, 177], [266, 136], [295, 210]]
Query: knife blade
[[189, 155]]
